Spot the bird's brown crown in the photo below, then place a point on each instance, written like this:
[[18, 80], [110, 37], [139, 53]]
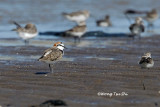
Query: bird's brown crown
[[55, 44], [148, 54]]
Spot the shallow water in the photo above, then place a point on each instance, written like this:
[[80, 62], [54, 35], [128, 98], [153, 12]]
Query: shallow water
[[48, 16]]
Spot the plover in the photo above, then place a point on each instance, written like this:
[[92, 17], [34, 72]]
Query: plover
[[27, 32], [53, 54], [151, 17], [79, 16], [105, 22], [78, 31], [137, 28], [146, 61]]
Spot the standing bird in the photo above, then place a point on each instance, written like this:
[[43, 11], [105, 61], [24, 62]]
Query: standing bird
[[151, 17], [53, 54], [146, 61], [79, 16], [78, 31], [27, 32], [105, 22], [137, 28]]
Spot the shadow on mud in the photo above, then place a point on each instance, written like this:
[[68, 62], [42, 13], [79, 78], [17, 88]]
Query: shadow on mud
[[87, 34], [41, 73]]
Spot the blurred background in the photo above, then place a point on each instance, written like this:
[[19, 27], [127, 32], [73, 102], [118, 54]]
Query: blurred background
[[47, 14]]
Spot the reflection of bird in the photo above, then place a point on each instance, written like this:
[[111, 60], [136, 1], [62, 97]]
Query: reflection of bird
[[146, 61], [53, 54], [78, 16], [151, 17], [105, 22], [137, 28], [27, 32], [78, 31], [51, 103]]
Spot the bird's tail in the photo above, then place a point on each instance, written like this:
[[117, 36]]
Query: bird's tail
[[39, 59]]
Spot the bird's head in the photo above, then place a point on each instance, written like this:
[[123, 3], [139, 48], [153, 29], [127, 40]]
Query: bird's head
[[148, 54], [107, 17], [153, 11], [139, 20], [59, 45], [86, 12]]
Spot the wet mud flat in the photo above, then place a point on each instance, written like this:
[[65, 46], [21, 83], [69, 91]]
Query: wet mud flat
[[98, 75]]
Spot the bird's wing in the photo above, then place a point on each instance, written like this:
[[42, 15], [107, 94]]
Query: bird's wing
[[131, 26], [143, 28], [143, 59], [149, 60], [51, 54], [78, 28], [76, 13]]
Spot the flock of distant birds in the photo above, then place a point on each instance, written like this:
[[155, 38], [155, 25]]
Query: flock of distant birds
[[55, 53]]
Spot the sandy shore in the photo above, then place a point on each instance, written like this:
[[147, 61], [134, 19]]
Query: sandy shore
[[84, 73]]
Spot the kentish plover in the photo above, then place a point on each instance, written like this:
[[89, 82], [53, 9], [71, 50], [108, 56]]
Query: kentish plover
[[78, 31], [137, 28], [146, 61], [151, 17], [53, 54], [79, 16], [105, 22], [27, 32]]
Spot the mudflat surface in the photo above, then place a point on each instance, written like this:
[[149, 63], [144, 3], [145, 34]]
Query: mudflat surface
[[84, 72]]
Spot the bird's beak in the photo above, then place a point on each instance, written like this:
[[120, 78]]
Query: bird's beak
[[14, 30], [65, 47]]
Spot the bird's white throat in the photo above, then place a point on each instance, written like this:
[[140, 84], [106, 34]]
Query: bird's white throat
[[60, 47]]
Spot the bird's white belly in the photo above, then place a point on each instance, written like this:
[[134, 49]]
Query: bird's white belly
[[151, 20], [103, 24], [136, 30], [146, 65], [78, 34], [78, 18], [27, 35]]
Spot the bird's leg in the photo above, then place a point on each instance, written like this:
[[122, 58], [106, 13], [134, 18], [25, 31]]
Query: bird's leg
[[139, 36], [144, 88], [133, 37], [75, 39], [79, 39], [50, 68], [26, 42], [150, 27]]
